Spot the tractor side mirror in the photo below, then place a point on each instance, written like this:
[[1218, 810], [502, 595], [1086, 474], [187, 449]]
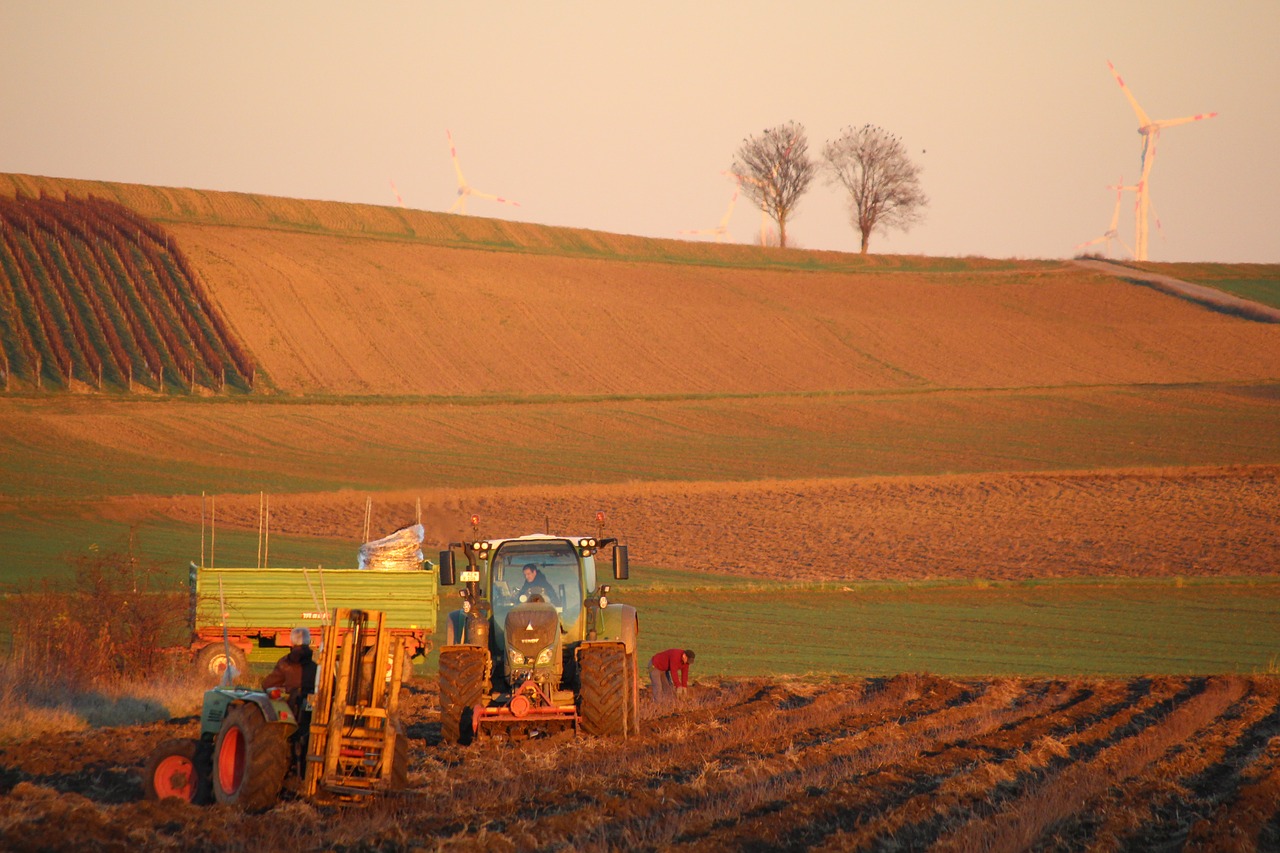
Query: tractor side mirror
[[448, 575], [621, 568]]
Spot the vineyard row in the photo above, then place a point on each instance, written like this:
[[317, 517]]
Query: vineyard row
[[92, 293]]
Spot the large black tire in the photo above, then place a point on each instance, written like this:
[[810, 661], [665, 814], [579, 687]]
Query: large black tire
[[211, 662], [603, 700], [178, 768], [250, 759], [461, 687], [633, 694]]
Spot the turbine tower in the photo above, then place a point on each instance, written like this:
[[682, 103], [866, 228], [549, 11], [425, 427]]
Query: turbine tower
[[1150, 131], [1112, 233], [464, 189], [721, 231]]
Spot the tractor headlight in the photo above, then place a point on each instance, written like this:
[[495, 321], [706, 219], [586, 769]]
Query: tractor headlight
[[543, 658]]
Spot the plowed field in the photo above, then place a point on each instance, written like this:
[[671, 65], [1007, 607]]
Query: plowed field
[[902, 763], [359, 316]]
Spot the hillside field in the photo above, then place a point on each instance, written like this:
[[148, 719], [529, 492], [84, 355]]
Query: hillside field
[[976, 553]]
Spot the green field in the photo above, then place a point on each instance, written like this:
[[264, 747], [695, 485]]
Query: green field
[[1120, 628], [38, 545], [291, 447], [1099, 627]]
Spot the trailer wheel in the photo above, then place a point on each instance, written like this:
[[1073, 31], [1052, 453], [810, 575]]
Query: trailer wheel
[[211, 661], [461, 686], [633, 694], [604, 699], [250, 759], [179, 768]]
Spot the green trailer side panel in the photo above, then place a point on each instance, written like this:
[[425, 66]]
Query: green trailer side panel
[[281, 598]]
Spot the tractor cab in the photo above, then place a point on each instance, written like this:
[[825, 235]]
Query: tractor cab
[[541, 566]]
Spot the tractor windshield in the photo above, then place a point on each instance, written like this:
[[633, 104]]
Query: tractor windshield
[[547, 567]]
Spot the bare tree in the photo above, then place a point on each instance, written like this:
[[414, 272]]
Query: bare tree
[[883, 183], [774, 171]]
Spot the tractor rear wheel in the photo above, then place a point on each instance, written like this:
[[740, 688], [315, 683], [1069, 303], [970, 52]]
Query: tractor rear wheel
[[250, 759], [461, 687], [633, 694], [179, 767], [604, 697], [212, 660]]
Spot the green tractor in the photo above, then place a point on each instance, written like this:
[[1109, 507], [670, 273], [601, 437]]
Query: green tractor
[[537, 643], [354, 744]]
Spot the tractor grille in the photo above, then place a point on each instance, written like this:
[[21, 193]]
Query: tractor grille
[[532, 627]]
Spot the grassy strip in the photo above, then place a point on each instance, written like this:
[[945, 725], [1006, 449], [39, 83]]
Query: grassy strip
[[1113, 628]]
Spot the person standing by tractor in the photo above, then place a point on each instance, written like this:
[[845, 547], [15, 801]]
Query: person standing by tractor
[[295, 673], [669, 674]]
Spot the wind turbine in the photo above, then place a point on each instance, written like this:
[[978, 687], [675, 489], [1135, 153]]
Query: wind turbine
[[464, 189], [721, 231], [399, 200], [1150, 131], [765, 187], [1112, 233]]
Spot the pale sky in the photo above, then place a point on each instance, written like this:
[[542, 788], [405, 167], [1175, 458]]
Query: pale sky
[[621, 116]]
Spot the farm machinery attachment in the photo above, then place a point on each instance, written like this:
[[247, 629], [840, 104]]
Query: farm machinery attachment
[[344, 744], [537, 643]]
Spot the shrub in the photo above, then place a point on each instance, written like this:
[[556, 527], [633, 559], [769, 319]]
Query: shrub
[[112, 623]]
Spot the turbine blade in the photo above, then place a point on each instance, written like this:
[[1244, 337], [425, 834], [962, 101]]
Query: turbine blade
[[492, 197], [1174, 122], [453, 152], [1143, 120]]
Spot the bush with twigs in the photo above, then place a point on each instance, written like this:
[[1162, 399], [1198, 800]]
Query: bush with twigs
[[111, 624]]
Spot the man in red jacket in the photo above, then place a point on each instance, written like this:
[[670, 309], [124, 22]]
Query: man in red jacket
[[669, 673]]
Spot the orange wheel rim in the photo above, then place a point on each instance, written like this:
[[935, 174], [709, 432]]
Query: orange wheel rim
[[175, 776], [231, 761]]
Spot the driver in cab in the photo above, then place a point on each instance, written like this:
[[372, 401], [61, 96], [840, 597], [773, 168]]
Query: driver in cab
[[536, 583]]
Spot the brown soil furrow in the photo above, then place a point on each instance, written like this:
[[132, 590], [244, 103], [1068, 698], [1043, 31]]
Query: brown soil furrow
[[793, 809], [694, 765], [947, 782], [1245, 814], [826, 805], [1069, 734], [1158, 808], [1019, 822]]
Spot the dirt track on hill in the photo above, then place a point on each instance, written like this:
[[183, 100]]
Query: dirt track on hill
[[911, 762]]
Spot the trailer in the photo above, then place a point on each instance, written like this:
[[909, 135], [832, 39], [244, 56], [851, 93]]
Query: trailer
[[235, 610]]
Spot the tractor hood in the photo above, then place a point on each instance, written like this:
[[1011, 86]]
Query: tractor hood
[[530, 628]]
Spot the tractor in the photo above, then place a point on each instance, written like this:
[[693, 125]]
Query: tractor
[[354, 745], [537, 643]]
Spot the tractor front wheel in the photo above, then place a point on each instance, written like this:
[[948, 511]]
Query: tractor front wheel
[[462, 670], [604, 698], [178, 768], [250, 759]]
